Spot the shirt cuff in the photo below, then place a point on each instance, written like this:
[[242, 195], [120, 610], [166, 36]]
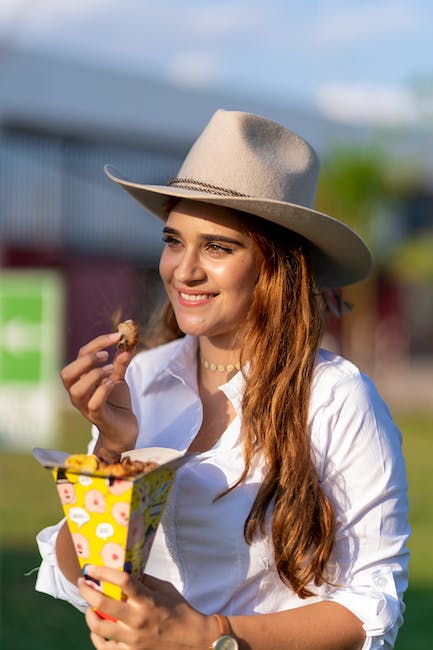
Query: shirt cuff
[[50, 578], [376, 603]]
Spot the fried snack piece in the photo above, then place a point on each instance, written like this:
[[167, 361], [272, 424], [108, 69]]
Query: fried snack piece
[[132, 467], [129, 335], [82, 462], [123, 468], [109, 464], [126, 470]]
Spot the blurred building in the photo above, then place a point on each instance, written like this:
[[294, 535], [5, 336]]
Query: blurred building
[[60, 122]]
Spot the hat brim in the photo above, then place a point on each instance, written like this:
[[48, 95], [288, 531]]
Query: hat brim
[[339, 255]]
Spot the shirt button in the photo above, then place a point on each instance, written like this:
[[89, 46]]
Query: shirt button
[[380, 582]]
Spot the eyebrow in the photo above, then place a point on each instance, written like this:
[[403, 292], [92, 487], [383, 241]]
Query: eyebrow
[[206, 238]]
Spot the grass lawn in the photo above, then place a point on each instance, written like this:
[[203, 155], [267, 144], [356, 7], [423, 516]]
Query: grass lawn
[[28, 501]]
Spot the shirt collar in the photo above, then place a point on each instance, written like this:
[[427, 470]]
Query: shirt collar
[[234, 390], [182, 362]]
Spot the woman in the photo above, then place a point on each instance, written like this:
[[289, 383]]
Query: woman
[[288, 527]]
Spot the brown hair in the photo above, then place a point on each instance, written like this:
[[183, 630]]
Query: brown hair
[[283, 332], [280, 341]]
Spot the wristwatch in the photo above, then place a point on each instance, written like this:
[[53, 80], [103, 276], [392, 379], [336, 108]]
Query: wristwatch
[[226, 641]]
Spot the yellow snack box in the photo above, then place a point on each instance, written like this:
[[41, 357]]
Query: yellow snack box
[[113, 520]]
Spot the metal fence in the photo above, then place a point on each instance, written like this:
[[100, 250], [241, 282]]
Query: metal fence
[[53, 193]]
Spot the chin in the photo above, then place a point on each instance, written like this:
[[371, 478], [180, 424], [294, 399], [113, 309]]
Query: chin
[[191, 328], [196, 329]]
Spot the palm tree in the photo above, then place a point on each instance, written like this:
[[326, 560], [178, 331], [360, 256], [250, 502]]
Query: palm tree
[[352, 188]]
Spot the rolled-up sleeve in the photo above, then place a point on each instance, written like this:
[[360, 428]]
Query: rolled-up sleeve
[[50, 578], [376, 603], [363, 472]]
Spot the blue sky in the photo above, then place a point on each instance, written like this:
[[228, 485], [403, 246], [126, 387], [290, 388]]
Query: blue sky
[[356, 60]]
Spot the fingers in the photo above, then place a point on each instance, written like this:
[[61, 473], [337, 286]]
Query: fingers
[[116, 577], [99, 396], [88, 381], [105, 635], [108, 617], [101, 643], [90, 359], [71, 373], [101, 342], [121, 362], [85, 386], [115, 609], [147, 618], [90, 356]]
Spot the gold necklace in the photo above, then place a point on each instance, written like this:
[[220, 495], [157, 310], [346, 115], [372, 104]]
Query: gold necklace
[[219, 367]]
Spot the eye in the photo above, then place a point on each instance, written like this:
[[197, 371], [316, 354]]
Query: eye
[[170, 240], [214, 247]]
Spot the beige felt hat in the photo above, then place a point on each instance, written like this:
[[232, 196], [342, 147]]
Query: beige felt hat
[[252, 164]]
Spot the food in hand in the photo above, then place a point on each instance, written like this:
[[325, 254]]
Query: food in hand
[[109, 463], [129, 335]]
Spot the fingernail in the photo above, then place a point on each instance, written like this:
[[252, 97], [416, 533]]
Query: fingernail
[[115, 336], [87, 568], [102, 355], [109, 368]]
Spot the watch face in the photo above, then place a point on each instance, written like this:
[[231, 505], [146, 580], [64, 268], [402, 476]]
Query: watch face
[[225, 642]]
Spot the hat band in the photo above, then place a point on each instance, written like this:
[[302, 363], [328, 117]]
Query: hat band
[[191, 184]]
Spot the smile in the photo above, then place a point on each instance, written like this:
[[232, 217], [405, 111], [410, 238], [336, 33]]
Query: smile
[[195, 298]]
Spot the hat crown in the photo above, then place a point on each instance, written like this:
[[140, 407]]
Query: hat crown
[[242, 153]]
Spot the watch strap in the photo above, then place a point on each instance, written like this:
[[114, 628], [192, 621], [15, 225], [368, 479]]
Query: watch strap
[[224, 624], [225, 640]]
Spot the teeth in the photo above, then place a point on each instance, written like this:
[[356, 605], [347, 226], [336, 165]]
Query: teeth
[[196, 297]]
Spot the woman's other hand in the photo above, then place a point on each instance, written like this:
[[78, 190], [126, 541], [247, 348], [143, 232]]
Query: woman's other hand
[[153, 615]]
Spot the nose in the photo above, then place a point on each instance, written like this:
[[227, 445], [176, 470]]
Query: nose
[[188, 268]]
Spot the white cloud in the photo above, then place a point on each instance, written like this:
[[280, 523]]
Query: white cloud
[[213, 20], [363, 102], [36, 15], [193, 69], [349, 23], [9, 9]]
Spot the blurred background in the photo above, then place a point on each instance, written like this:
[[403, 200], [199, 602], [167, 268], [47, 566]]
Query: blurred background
[[89, 82]]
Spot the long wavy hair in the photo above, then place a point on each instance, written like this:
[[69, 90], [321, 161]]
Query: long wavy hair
[[280, 341]]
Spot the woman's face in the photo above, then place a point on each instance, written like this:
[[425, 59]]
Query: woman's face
[[209, 267]]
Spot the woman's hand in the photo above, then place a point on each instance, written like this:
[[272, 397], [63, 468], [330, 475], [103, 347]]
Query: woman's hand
[[153, 615], [99, 391]]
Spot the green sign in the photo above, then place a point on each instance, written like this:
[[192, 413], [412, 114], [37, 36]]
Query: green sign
[[30, 327]]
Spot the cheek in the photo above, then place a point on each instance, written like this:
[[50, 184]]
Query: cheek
[[242, 281], [165, 266]]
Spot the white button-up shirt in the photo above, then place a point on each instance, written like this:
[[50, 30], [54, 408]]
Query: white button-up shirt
[[200, 546]]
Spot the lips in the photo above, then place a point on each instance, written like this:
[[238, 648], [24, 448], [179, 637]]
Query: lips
[[195, 299]]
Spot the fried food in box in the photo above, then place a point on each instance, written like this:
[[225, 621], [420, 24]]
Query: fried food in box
[[109, 463]]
